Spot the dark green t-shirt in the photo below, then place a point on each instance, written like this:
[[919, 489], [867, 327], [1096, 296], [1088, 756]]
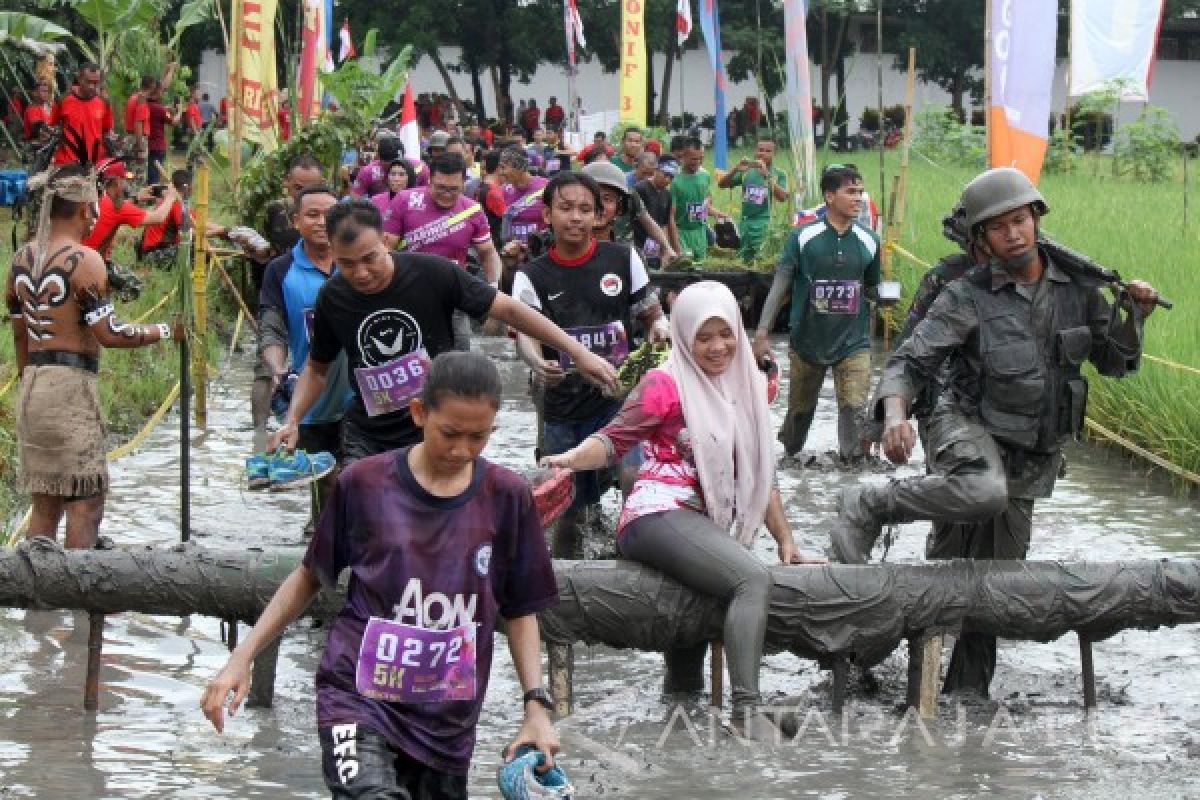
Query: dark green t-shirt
[[689, 193], [756, 194], [830, 315]]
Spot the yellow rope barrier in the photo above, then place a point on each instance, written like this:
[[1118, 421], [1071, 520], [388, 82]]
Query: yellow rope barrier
[[1143, 452]]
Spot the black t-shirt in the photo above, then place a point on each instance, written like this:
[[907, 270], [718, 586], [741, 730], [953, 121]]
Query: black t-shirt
[[374, 330], [657, 203], [608, 284]]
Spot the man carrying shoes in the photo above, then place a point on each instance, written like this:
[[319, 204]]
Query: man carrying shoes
[[391, 313]]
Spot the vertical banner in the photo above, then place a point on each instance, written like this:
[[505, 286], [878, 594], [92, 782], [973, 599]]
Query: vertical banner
[[1113, 40], [1021, 77], [633, 63], [710, 26], [255, 86], [313, 47], [798, 88]]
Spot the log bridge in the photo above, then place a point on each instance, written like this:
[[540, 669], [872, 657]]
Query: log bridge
[[836, 614]]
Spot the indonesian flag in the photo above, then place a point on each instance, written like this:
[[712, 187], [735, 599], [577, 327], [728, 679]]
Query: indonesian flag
[[347, 49], [683, 20], [410, 136], [574, 23]]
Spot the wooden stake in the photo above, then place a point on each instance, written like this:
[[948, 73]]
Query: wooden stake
[[95, 647], [1087, 669], [561, 662], [262, 677], [233, 53], [931, 676]]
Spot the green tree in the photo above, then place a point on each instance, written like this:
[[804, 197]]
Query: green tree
[[949, 38]]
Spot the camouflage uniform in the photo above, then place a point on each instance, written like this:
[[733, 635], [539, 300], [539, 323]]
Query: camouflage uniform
[[1012, 391]]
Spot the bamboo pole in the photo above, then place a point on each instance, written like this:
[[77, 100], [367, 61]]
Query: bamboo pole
[[900, 187], [879, 81], [987, 83], [200, 296]]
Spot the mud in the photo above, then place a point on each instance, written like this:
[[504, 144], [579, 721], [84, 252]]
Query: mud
[[1032, 740]]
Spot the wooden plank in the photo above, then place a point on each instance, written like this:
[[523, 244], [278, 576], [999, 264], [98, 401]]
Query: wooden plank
[[931, 676]]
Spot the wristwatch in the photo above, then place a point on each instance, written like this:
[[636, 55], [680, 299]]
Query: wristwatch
[[542, 696]]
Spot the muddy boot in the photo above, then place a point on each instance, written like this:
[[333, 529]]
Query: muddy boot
[[861, 515], [850, 446], [794, 432]]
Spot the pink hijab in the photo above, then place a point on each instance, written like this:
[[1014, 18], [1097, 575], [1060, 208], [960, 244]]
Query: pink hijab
[[726, 416]]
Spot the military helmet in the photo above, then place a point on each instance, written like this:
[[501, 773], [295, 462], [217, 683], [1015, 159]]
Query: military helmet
[[608, 174], [997, 192]]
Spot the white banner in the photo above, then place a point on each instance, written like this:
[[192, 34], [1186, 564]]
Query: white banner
[[1113, 40]]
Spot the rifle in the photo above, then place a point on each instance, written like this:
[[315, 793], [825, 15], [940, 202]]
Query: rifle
[[954, 228]]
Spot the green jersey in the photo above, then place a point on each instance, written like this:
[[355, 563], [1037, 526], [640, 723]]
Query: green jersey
[[756, 194], [830, 273], [619, 160], [690, 194]]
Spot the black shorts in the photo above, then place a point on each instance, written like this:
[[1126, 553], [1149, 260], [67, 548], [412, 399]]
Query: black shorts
[[359, 763], [358, 444], [321, 437]]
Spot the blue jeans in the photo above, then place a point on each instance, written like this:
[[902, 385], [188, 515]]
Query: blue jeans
[[560, 437]]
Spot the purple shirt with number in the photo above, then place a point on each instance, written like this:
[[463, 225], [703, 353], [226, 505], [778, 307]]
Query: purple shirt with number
[[524, 215], [371, 179], [427, 228], [434, 562]]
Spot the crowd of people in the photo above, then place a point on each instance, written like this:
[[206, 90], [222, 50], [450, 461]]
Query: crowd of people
[[369, 295]]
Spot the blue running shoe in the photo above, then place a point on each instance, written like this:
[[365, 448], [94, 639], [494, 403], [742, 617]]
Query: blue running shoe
[[258, 471], [298, 469], [520, 780]]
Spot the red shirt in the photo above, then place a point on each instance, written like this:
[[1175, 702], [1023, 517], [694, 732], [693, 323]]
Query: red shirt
[[135, 109], [195, 121], [285, 124], [90, 119], [158, 117], [530, 118], [34, 115], [554, 116], [112, 218], [223, 110], [166, 232]]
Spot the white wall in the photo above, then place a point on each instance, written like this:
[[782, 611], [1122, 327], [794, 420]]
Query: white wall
[[1174, 86]]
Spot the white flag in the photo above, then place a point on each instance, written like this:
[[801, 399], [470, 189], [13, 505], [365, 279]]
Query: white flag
[[1113, 40], [683, 20]]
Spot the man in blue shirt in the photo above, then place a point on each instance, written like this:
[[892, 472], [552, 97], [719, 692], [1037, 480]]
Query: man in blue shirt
[[286, 303]]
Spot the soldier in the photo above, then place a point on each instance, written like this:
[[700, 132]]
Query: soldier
[[1014, 334]]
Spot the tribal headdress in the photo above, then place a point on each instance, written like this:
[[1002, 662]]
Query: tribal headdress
[[79, 185]]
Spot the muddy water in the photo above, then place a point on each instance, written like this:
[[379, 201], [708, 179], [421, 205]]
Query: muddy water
[[1033, 740]]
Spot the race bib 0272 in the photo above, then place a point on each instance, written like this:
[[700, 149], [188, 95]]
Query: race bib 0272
[[400, 663]]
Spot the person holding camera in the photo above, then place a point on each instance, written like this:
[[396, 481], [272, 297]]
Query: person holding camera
[[116, 211]]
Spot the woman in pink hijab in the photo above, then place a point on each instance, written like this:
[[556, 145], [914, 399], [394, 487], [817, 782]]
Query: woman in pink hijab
[[707, 481]]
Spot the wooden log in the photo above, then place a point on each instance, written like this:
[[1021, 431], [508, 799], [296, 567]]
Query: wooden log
[[859, 612]]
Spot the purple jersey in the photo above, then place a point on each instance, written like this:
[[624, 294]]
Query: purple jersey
[[427, 228], [422, 170], [371, 179], [383, 201], [524, 215], [425, 571]]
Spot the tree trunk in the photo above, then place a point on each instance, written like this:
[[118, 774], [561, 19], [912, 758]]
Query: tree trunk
[[815, 611], [436, 58], [956, 96], [664, 97], [477, 88]]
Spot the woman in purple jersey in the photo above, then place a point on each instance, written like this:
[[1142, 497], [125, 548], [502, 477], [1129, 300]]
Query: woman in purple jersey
[[400, 176], [441, 544], [708, 471]]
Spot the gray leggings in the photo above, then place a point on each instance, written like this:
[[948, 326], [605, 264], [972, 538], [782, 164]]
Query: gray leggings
[[688, 547]]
